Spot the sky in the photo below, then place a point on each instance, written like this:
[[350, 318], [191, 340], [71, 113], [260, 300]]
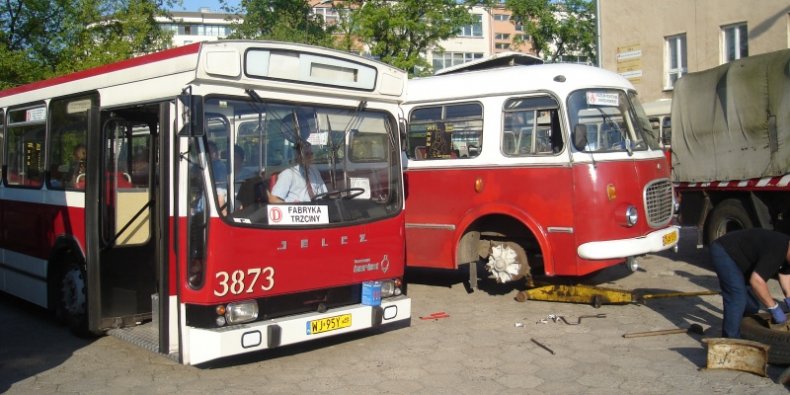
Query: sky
[[195, 5]]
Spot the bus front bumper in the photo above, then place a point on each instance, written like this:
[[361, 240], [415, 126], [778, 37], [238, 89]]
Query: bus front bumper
[[203, 345], [656, 241]]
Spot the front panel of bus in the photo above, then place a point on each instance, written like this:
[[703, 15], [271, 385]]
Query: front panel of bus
[[293, 209], [623, 193]]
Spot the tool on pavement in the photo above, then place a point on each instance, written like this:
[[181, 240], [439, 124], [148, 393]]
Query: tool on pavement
[[694, 328], [435, 316], [596, 296], [737, 354], [541, 345]]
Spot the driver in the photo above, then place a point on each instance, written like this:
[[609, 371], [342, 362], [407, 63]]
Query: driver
[[301, 182]]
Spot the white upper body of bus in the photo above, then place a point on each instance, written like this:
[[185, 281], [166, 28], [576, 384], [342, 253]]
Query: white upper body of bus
[[245, 64]]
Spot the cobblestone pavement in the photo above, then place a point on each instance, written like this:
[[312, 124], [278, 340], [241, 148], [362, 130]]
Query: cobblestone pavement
[[489, 344]]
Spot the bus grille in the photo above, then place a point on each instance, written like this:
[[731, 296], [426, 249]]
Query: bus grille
[[658, 202]]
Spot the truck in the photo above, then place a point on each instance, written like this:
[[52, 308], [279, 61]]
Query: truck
[[730, 148]]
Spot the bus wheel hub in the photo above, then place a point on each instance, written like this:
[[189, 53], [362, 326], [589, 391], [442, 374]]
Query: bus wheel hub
[[504, 262]]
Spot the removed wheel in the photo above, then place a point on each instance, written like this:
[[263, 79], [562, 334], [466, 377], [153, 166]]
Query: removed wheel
[[756, 328]]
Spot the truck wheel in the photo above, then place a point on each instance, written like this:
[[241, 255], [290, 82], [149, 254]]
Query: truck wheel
[[728, 216], [756, 328], [73, 300]]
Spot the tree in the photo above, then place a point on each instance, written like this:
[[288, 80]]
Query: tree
[[281, 20], [557, 28], [46, 38], [399, 33]]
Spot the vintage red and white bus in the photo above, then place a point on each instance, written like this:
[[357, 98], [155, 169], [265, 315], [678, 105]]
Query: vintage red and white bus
[[135, 198], [552, 167]]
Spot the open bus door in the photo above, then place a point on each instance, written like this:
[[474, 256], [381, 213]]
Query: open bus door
[[121, 215]]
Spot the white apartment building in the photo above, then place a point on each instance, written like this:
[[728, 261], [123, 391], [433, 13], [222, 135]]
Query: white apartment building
[[491, 33]]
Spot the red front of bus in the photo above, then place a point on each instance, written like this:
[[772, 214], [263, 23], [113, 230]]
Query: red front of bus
[[623, 201], [295, 227]]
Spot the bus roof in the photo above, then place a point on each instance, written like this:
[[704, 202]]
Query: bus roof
[[222, 61], [561, 78]]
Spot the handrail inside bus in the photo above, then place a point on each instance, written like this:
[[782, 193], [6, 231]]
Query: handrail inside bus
[[128, 224]]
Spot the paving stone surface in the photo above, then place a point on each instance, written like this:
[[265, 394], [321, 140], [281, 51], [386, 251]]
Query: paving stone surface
[[489, 344]]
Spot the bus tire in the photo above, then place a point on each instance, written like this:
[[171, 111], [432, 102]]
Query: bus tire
[[728, 216], [73, 300], [756, 328]]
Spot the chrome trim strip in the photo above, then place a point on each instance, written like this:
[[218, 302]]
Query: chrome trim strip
[[559, 229], [431, 226]]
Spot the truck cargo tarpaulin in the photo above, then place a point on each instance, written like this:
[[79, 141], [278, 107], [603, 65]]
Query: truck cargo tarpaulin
[[732, 122]]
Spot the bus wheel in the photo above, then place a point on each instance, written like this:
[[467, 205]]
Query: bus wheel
[[728, 216], [73, 301], [507, 262]]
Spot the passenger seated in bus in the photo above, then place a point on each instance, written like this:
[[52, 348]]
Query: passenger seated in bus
[[291, 185], [217, 166], [78, 166]]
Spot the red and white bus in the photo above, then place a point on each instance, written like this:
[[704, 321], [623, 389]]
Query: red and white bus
[[551, 167], [163, 233]]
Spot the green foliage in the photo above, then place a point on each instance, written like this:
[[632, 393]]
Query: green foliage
[[399, 32], [281, 20], [557, 28], [45, 38]]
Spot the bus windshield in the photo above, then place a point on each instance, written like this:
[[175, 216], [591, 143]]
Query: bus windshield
[[606, 121], [339, 164]]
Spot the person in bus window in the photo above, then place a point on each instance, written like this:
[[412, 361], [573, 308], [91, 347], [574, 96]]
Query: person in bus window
[[78, 164], [299, 183]]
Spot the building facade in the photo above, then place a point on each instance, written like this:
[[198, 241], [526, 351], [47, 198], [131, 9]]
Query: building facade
[[655, 43], [492, 32]]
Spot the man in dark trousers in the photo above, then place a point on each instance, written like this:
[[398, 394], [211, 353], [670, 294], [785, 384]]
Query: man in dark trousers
[[744, 260]]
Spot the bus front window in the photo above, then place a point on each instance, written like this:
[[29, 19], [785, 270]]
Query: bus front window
[[610, 122], [343, 162]]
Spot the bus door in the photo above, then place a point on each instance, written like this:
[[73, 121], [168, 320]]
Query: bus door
[[121, 227]]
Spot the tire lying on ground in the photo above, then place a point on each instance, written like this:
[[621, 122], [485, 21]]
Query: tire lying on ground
[[756, 328]]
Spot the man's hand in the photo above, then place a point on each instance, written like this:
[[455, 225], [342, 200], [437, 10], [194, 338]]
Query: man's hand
[[777, 314]]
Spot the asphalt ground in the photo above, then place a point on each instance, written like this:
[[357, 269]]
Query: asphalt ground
[[486, 342]]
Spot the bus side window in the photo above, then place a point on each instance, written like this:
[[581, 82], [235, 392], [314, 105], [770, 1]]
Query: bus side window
[[531, 127], [67, 154], [446, 132], [25, 161]]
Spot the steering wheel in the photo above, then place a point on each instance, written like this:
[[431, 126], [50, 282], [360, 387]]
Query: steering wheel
[[348, 193]]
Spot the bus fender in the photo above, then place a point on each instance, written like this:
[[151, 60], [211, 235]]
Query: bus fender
[[465, 226]]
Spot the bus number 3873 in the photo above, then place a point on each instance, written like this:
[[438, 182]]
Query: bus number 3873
[[236, 282]]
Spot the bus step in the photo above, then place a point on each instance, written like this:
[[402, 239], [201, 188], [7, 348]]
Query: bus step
[[596, 296], [144, 336]]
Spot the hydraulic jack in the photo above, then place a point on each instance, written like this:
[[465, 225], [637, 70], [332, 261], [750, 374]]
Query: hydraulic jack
[[596, 296]]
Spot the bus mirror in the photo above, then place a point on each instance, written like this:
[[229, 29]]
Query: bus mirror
[[191, 113]]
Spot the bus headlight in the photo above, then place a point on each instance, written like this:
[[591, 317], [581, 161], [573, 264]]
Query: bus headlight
[[631, 216], [391, 288], [241, 312]]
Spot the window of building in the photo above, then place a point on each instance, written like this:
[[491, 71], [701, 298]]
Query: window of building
[[502, 36], [473, 30], [734, 42], [675, 59], [447, 59], [328, 14], [502, 46], [501, 17]]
